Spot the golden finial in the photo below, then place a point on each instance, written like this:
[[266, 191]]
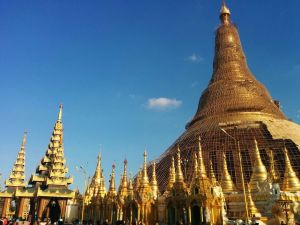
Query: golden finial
[[179, 174], [259, 171], [273, 173], [125, 167], [154, 185], [124, 177], [224, 13], [212, 174], [172, 174], [201, 166], [291, 181], [145, 179], [130, 185], [112, 182], [98, 168], [59, 119], [226, 181], [24, 140]]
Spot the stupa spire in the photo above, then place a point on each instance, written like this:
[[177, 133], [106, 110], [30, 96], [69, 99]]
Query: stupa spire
[[259, 171], [154, 185], [97, 183], [59, 118], [231, 72], [52, 169], [130, 185], [291, 181], [273, 173], [179, 175], [252, 210], [172, 175], [123, 185], [145, 178], [112, 181], [224, 13], [17, 175], [124, 179], [226, 181], [212, 174], [201, 166]]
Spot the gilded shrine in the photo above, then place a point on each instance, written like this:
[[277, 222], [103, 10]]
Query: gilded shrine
[[238, 158], [46, 194]]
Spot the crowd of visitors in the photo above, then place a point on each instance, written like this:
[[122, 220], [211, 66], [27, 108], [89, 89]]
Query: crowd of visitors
[[119, 222]]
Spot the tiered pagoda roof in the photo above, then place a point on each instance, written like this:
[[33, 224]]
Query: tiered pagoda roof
[[52, 169], [17, 176]]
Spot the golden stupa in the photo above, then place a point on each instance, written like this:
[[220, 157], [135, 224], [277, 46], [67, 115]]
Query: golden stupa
[[235, 114]]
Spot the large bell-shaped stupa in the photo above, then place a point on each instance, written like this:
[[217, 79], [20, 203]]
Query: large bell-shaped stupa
[[235, 113]]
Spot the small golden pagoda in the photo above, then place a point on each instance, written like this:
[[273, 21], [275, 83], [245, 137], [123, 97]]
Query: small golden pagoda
[[259, 172], [17, 176], [47, 196], [291, 182], [226, 180], [10, 205]]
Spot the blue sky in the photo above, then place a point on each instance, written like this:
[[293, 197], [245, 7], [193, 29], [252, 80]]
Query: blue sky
[[129, 73]]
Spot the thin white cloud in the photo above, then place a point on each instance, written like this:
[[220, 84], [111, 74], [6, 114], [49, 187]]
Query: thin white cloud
[[194, 84], [194, 58], [163, 103]]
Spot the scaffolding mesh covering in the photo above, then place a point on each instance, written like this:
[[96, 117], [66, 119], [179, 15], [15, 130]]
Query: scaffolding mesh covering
[[233, 111]]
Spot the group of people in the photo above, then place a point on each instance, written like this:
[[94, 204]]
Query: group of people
[[118, 222], [12, 221]]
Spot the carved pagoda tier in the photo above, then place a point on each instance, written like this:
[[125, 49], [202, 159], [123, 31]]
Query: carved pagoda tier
[[17, 176]]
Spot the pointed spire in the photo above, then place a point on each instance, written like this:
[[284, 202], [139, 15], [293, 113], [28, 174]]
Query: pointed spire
[[112, 182], [24, 141], [212, 174], [130, 185], [259, 171], [124, 177], [98, 170], [52, 169], [98, 184], [59, 118], [145, 179], [224, 13], [179, 175], [273, 173], [154, 185], [226, 181], [201, 166], [252, 210], [291, 181], [17, 175], [123, 183], [172, 175]]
